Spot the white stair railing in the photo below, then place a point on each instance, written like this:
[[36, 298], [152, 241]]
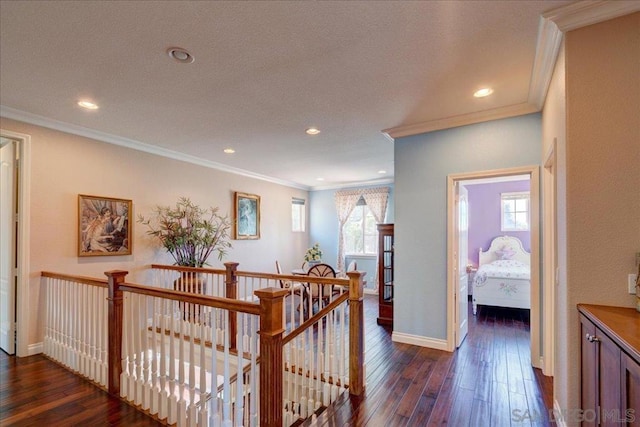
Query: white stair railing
[[192, 359], [173, 368], [75, 327]]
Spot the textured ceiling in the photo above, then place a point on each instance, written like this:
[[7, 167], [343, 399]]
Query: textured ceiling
[[263, 73]]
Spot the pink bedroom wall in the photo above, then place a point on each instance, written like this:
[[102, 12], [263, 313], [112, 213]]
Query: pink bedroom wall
[[484, 216]]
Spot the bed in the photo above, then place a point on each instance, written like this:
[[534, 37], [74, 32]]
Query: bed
[[503, 278]]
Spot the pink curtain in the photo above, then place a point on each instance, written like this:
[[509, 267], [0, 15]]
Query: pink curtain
[[345, 201]]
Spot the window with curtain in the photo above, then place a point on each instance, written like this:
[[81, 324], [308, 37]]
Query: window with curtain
[[515, 211], [347, 201], [360, 231], [298, 215]]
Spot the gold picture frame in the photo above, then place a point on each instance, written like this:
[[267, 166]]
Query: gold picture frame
[[104, 226], [246, 216]]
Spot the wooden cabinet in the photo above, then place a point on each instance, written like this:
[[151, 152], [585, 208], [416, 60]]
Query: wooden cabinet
[[610, 365], [631, 389], [385, 274]]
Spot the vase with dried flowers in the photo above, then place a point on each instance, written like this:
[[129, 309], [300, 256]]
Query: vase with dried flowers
[[191, 234]]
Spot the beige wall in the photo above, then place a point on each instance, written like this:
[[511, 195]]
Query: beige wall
[[602, 178], [65, 165]]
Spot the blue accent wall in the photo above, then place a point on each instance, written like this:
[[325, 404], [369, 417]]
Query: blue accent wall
[[323, 227], [422, 164]]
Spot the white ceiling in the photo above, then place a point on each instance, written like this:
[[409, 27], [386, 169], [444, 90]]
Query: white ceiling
[[266, 71]]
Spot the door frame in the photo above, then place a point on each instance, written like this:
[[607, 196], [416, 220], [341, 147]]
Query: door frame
[[549, 258], [23, 237], [452, 236]]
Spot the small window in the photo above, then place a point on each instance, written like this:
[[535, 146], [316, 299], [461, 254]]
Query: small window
[[360, 231], [515, 211], [298, 218]]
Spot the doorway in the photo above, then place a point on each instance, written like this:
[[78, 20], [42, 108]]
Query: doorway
[[8, 244], [456, 317], [14, 238]]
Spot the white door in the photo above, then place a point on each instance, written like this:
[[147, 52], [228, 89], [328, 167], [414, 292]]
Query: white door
[[462, 254], [7, 248]]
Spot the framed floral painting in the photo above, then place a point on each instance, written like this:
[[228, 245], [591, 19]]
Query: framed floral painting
[[104, 226], [246, 211]]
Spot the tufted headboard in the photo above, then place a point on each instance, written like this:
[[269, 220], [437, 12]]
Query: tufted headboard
[[504, 247]]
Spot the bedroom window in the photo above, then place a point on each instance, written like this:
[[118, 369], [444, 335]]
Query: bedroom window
[[298, 218], [515, 211], [360, 232]]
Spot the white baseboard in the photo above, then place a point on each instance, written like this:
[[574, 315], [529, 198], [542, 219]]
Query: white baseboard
[[557, 414], [36, 348], [370, 291], [435, 343]]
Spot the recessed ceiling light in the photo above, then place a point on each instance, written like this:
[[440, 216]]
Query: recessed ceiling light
[[180, 55], [229, 150], [382, 171], [320, 179], [88, 105], [312, 131], [481, 93]]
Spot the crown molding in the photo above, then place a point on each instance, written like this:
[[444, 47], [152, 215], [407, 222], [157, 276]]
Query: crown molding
[[34, 119], [547, 48], [462, 120], [583, 13], [357, 184]]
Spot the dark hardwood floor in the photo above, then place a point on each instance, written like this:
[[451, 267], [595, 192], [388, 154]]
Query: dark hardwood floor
[[487, 382], [35, 391]]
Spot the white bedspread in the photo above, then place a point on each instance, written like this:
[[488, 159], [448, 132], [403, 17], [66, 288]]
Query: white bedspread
[[502, 269]]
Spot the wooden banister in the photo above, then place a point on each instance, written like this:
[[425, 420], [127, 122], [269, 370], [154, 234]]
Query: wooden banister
[[77, 279], [116, 277], [231, 292], [271, 365], [356, 332]]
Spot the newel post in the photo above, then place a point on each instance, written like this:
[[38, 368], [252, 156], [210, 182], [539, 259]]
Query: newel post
[[271, 362], [231, 291], [116, 278], [356, 333]]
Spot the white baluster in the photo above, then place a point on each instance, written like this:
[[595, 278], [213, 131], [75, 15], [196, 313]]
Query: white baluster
[[239, 375], [214, 415], [155, 366], [343, 352], [202, 413], [253, 404], [136, 306], [104, 334], [126, 349], [192, 368], [172, 414], [65, 325], [146, 359], [164, 325], [226, 390], [95, 343], [328, 353], [320, 367], [130, 299], [311, 391], [181, 362], [47, 314], [82, 328]]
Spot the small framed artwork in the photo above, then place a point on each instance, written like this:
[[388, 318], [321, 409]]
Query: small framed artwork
[[246, 211], [104, 226]]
